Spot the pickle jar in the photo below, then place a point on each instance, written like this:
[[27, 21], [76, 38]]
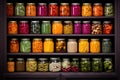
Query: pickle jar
[[107, 27], [35, 27], [64, 9], [108, 9], [20, 65], [86, 27], [66, 65], [42, 9], [96, 27], [77, 27], [20, 9], [30, 9], [68, 27], [75, 65], [11, 65], [24, 27], [10, 9], [108, 65], [53, 9], [86, 9], [97, 9], [12, 27], [43, 65], [75, 9], [46, 27]]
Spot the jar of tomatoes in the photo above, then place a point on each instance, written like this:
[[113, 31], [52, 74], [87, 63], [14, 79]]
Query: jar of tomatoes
[[97, 9], [42, 9], [68, 27], [75, 9], [107, 27], [10, 9], [86, 9], [53, 9], [30, 9], [24, 27], [12, 27], [64, 9]]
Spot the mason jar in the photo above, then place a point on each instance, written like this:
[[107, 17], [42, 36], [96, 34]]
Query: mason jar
[[24, 27], [68, 27], [108, 65], [75, 65], [46, 27], [20, 9], [35, 27], [66, 65], [20, 65], [108, 9], [96, 27]]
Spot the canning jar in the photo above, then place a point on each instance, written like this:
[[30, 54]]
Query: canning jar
[[72, 46], [66, 65], [24, 27], [60, 45], [86, 9], [83, 46], [12, 27], [108, 9], [57, 27], [30, 9], [48, 45], [96, 65], [108, 65], [14, 45], [37, 45], [85, 65], [11, 65], [31, 65], [97, 9], [106, 46], [75, 65], [10, 9], [55, 65], [43, 64], [77, 27], [68, 27], [20, 9], [35, 27], [20, 65], [86, 27], [25, 45], [96, 27], [46, 27], [107, 27], [64, 9], [53, 9], [42, 9], [75, 9]]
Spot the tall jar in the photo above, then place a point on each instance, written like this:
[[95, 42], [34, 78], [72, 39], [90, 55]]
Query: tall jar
[[11, 65], [72, 46], [64, 9], [35, 27], [108, 9], [30, 9], [66, 65], [42, 9], [108, 65], [75, 65], [96, 27], [25, 45], [12, 27], [20, 9], [20, 65], [77, 27], [86, 9], [46, 27], [107, 27], [68, 27], [53, 9], [75, 9], [24, 27], [86, 27], [10, 9], [97, 9]]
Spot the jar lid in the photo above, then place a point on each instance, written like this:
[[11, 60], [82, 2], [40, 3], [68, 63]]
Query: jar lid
[[46, 21], [86, 21], [106, 39], [48, 39], [20, 3], [64, 3], [31, 3], [24, 21], [54, 58], [57, 21], [37, 39], [31, 59], [14, 39], [75, 59], [35, 21], [85, 58], [107, 22], [108, 4], [60, 39], [97, 3], [10, 59], [65, 58], [25, 39], [53, 4], [20, 59], [42, 3], [77, 21], [67, 21], [13, 21], [71, 39], [42, 59], [108, 59], [86, 3], [94, 39], [75, 4], [83, 39], [9, 3], [96, 22], [96, 58]]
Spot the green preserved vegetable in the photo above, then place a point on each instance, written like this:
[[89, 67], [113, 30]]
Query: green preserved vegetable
[[108, 65], [46, 27], [35, 27], [75, 65], [20, 9], [108, 10]]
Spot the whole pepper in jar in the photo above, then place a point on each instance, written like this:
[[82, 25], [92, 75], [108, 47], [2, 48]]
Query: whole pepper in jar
[[12, 27], [53, 9], [30, 9], [64, 9], [10, 9], [107, 27], [97, 9]]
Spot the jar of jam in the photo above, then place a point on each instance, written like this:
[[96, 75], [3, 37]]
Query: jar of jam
[[108, 65], [77, 27], [30, 9], [96, 27], [86, 9], [107, 27], [24, 27], [86, 27], [10, 9], [35, 27], [20, 9], [53, 9], [66, 65], [20, 65], [11, 65], [64, 9], [42, 9], [75, 65], [75, 9], [97, 9], [12, 27], [46, 27], [108, 9], [68, 27]]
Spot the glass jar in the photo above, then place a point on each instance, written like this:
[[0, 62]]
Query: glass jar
[[68, 27], [107, 27], [14, 45], [97, 9], [20, 65], [10, 9], [48, 45], [77, 27], [66, 66], [75, 65], [86, 9], [46, 27], [55, 65], [72, 46], [24, 27], [12, 27], [108, 65], [108, 9], [25, 45], [95, 46], [96, 65], [64, 9], [85, 65], [86, 27], [53, 9], [43, 65], [20, 9], [60, 45], [57, 27], [31, 65], [37, 45], [83, 46], [96, 27], [30, 9], [35, 27], [42, 9], [75, 9], [106, 46], [11, 65]]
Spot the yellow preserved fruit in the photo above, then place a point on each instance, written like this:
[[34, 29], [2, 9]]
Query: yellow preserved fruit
[[86, 9]]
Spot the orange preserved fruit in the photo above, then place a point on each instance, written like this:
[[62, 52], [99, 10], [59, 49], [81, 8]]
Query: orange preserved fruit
[[97, 9], [12, 27], [31, 9]]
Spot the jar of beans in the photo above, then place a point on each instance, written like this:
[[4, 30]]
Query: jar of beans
[[97, 9], [11, 65], [107, 27], [77, 27], [20, 9], [35, 27], [64, 9], [108, 9], [68, 27], [20, 65], [46, 27], [96, 27], [53, 9], [30, 9], [12, 27], [75, 9], [86, 27], [42, 9], [75, 65], [86, 9], [66, 65], [23, 27], [10, 9]]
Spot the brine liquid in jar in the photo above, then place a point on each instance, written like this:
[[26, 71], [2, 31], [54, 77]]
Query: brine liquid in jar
[[24, 27], [12, 27], [30, 9]]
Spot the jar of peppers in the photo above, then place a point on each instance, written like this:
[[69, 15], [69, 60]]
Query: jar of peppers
[[46, 27], [24, 27], [107, 27], [10, 9], [75, 9], [30, 9], [77, 27], [86, 27], [66, 65], [86, 9], [53, 9], [97, 9], [12, 27], [64, 9], [42, 9], [75, 65], [20, 9]]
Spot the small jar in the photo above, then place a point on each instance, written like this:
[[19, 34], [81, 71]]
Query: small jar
[[46, 27], [108, 65], [68, 27], [20, 9], [72, 46], [12, 27], [77, 27], [20, 65], [11, 65], [66, 66], [64, 9], [42, 9], [43, 64], [31, 65], [97, 9], [24, 27], [86, 27], [53, 9], [55, 65], [10, 9], [75, 65], [30, 9], [107, 27], [75, 9], [86, 9], [96, 27], [35, 27], [108, 9]]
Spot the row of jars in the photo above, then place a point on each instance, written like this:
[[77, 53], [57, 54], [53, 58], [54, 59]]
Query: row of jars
[[64, 65], [60, 45], [59, 27], [63, 10]]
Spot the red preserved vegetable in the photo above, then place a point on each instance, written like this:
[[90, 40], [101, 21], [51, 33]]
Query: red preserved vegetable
[[53, 9], [10, 9]]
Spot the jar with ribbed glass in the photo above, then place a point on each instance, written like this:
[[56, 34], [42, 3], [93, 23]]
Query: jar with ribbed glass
[[46, 27], [23, 27], [68, 27], [20, 65], [75, 65], [108, 9], [35, 27], [20, 9], [86, 27], [75, 9], [30, 9], [77, 27], [42, 9], [96, 27], [66, 65]]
